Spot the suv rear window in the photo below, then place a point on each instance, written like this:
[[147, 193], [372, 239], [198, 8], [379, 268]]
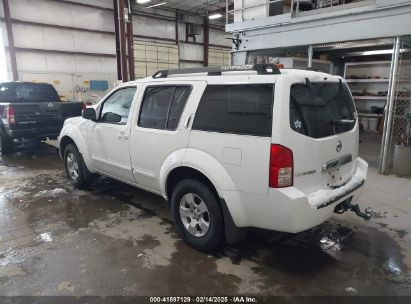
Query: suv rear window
[[321, 109], [27, 92], [238, 109]]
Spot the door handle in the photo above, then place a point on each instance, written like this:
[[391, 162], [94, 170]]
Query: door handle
[[122, 135]]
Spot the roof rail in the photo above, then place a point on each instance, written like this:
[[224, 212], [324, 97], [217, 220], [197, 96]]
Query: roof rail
[[262, 69]]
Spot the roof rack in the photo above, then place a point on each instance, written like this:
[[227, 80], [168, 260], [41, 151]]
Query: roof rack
[[262, 69]]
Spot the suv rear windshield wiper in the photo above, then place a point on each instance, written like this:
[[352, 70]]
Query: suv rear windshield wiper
[[343, 122]]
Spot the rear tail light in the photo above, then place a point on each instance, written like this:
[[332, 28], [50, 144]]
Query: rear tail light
[[10, 115], [83, 106], [281, 167]]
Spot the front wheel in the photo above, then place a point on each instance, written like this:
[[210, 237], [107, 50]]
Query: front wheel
[[75, 167], [197, 215]]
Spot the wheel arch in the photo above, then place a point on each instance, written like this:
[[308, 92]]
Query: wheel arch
[[232, 233], [72, 135], [183, 172], [64, 142]]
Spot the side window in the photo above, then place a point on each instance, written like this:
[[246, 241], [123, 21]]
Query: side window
[[238, 109], [117, 107], [162, 106]]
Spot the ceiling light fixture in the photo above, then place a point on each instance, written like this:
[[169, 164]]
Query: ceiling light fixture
[[381, 52], [158, 4], [215, 16], [143, 1]]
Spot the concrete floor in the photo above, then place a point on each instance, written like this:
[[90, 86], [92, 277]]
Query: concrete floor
[[118, 240]]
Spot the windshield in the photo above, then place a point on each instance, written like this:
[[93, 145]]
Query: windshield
[[28, 92], [321, 109]]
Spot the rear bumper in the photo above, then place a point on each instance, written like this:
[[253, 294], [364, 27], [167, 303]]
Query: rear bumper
[[35, 132], [289, 209]]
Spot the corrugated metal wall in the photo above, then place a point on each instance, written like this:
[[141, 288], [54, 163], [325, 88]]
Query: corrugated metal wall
[[69, 44]]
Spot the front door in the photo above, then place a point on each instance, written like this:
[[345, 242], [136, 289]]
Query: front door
[[110, 135]]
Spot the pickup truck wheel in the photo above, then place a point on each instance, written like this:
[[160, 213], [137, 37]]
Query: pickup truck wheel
[[6, 145], [75, 167], [197, 215]]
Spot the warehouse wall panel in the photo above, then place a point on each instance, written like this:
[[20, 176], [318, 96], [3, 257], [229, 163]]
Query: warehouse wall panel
[[38, 45], [192, 52], [219, 37], [60, 13], [154, 27]]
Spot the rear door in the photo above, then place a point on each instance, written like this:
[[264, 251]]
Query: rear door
[[321, 130], [162, 127], [233, 124]]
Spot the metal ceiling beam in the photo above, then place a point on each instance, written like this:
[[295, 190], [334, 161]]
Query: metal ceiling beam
[[351, 24]]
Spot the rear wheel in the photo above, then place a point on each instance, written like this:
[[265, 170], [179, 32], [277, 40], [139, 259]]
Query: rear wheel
[[75, 167], [6, 145], [197, 215]]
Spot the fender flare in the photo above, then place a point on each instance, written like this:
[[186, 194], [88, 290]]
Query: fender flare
[[74, 134]]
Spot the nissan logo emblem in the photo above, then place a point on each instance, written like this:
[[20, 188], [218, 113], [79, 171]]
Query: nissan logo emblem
[[339, 146]]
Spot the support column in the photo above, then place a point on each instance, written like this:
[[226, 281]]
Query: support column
[[310, 56], [10, 37], [206, 42], [389, 108], [117, 37], [130, 45], [178, 21], [123, 45], [121, 36]]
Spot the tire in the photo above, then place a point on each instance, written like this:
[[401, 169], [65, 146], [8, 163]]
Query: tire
[[188, 212], [6, 145], [75, 168]]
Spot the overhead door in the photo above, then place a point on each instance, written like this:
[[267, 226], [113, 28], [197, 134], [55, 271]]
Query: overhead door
[[218, 56], [152, 56]]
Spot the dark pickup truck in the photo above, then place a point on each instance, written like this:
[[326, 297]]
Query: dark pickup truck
[[32, 111]]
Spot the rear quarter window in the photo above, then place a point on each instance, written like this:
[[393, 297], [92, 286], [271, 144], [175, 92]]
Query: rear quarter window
[[321, 109], [237, 109]]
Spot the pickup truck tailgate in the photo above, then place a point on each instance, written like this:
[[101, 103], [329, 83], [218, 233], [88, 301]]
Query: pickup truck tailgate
[[37, 115]]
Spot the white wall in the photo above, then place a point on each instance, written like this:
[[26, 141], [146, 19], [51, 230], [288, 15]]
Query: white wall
[[67, 70], [147, 26]]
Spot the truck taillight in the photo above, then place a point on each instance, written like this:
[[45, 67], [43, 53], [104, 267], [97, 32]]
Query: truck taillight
[[281, 167], [10, 115], [83, 106]]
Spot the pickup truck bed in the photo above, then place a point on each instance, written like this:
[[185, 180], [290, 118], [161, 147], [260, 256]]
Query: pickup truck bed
[[32, 110]]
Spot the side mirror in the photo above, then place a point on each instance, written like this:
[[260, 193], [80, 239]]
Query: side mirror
[[89, 113]]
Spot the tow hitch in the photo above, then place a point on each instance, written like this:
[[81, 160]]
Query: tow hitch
[[348, 206]]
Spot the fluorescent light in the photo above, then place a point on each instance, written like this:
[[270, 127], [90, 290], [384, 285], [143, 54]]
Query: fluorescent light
[[143, 1], [158, 4], [215, 16], [381, 52]]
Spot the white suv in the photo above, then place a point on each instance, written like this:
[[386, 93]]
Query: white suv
[[229, 147]]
